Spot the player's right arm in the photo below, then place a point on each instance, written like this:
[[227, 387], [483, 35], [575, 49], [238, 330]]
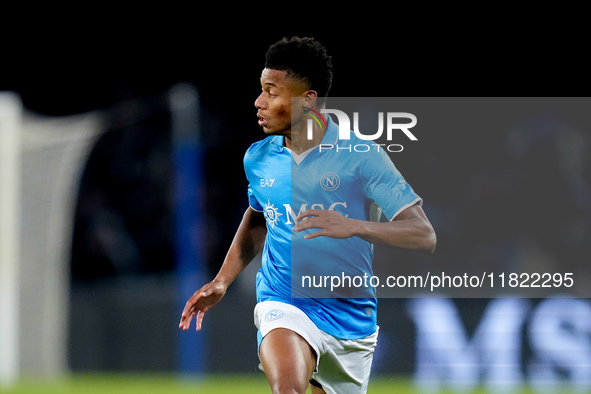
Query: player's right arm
[[247, 243]]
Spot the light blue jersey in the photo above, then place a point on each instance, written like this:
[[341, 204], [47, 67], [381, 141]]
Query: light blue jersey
[[337, 178]]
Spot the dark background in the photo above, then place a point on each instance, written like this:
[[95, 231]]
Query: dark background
[[64, 63]]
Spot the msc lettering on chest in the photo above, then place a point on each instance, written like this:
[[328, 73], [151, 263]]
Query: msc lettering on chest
[[272, 213], [290, 214]]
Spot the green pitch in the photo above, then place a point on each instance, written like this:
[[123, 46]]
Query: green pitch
[[168, 384]]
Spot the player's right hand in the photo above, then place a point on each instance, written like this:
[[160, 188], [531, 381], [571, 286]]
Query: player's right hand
[[203, 300]]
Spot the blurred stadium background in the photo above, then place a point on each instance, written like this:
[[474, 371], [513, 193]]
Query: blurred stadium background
[[121, 186]]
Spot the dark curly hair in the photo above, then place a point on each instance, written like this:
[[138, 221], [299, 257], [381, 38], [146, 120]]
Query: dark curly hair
[[303, 58]]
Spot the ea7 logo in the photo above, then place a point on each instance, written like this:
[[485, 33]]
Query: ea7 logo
[[267, 182], [345, 125]]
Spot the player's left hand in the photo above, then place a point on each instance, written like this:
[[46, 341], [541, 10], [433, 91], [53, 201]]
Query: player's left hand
[[330, 224]]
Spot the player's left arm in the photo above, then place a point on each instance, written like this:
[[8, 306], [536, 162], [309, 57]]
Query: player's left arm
[[410, 229]]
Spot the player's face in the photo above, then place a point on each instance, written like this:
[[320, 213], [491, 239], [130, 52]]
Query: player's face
[[274, 103]]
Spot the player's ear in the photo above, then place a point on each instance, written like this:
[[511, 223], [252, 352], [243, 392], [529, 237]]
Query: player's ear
[[310, 99]]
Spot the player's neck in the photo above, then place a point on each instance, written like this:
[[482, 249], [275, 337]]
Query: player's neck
[[297, 140]]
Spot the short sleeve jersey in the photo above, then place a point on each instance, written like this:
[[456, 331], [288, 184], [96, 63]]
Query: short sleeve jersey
[[340, 175]]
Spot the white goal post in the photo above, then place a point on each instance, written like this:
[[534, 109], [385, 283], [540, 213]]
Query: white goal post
[[10, 124], [41, 160]]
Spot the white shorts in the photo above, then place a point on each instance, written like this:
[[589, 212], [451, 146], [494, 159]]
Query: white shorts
[[342, 366]]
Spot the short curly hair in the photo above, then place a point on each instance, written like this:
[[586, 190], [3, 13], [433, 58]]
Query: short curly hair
[[303, 58]]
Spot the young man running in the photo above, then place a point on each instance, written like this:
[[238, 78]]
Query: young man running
[[327, 342]]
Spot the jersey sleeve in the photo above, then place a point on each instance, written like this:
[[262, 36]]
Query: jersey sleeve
[[385, 186], [248, 171], [252, 200]]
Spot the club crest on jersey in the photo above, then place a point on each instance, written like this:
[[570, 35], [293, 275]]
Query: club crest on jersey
[[330, 181], [271, 213]]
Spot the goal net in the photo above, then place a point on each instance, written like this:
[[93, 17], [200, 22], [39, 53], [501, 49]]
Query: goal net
[[41, 160]]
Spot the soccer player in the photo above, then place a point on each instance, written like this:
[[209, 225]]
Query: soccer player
[[324, 342]]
